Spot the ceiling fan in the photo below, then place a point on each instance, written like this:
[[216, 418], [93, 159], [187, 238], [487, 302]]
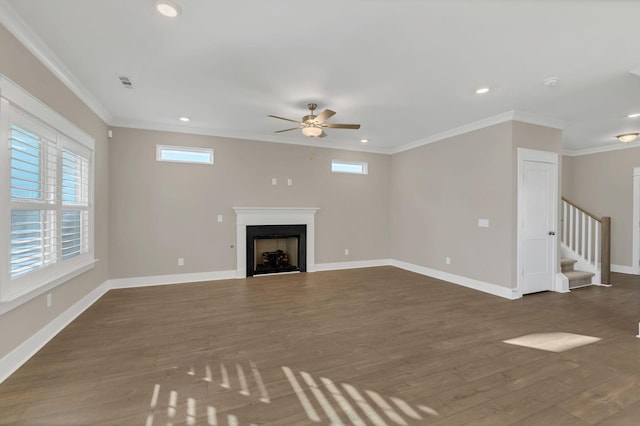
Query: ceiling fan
[[313, 125]]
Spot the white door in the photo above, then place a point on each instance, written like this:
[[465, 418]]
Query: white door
[[537, 216]]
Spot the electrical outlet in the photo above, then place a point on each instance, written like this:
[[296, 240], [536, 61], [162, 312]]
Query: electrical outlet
[[49, 300], [447, 260], [274, 181], [181, 261], [346, 252], [219, 218], [289, 182]]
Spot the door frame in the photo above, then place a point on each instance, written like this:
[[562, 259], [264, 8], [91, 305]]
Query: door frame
[[533, 155], [635, 252]]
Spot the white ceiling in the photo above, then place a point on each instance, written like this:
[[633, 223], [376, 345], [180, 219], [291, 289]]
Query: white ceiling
[[407, 70]]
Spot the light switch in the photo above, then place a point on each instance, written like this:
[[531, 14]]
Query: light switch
[[289, 182], [219, 218], [483, 223], [274, 181]]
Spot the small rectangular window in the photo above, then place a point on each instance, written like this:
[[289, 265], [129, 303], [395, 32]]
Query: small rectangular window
[[184, 154], [357, 168]]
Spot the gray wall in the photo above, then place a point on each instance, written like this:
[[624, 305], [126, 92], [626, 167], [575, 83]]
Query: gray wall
[[24, 69], [603, 184], [440, 190], [161, 211]]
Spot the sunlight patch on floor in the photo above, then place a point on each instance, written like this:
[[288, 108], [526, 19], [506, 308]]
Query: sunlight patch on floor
[[553, 342], [322, 400]]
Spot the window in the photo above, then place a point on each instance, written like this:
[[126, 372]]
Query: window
[[46, 233], [184, 154], [349, 167]]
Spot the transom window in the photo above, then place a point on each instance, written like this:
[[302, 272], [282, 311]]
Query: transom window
[[184, 154], [358, 168]]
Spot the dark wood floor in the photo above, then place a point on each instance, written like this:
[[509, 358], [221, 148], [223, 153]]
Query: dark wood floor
[[371, 346]]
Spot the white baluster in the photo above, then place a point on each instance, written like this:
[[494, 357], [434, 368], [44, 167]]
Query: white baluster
[[571, 214], [596, 241], [583, 234], [590, 240], [565, 224]]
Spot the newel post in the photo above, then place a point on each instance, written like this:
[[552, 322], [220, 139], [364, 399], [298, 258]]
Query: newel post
[[605, 269]]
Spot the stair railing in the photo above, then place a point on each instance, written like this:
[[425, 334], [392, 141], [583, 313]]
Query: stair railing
[[588, 236]]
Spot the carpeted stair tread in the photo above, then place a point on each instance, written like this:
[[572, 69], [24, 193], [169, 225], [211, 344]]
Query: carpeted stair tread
[[578, 274], [566, 265]]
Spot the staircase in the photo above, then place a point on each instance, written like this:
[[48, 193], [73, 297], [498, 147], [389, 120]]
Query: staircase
[[586, 244], [576, 278]]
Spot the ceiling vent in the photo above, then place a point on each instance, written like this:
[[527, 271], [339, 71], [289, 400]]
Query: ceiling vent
[[126, 82]]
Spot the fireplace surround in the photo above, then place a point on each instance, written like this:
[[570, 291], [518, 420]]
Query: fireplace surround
[[250, 216]]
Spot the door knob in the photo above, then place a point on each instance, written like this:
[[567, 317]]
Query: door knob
[[552, 233]]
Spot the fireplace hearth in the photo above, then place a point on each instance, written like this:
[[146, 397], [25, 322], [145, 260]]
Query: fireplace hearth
[[273, 249]]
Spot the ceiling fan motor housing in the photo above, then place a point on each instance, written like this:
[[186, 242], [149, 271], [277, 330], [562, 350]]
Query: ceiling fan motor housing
[[309, 119]]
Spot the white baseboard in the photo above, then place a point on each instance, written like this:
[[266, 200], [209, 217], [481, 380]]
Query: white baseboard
[[623, 269], [172, 279], [351, 265], [496, 290], [14, 359]]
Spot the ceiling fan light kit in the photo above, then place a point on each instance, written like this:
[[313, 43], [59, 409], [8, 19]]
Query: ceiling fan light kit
[[311, 131], [313, 125]]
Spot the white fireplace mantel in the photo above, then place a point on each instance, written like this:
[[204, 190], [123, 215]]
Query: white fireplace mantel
[[272, 216]]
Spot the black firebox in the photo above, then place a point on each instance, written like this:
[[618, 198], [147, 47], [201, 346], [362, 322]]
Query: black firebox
[[273, 249]]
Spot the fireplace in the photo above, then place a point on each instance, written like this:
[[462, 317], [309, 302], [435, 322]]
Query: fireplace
[[273, 249], [286, 216]]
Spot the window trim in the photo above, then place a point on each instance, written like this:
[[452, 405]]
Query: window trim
[[14, 292], [185, 149], [363, 164]]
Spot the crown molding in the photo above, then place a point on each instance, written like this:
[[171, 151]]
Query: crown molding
[[12, 21], [599, 149], [201, 131], [524, 117]]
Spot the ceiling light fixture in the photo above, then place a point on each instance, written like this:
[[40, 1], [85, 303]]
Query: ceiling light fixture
[[185, 119], [364, 140], [627, 137], [637, 114], [167, 8], [482, 90], [311, 131]]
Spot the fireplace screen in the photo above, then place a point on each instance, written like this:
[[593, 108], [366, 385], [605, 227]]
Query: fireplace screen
[[276, 248]]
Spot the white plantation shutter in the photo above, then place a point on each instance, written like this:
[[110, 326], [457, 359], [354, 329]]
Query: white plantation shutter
[[33, 165], [46, 181], [75, 202]]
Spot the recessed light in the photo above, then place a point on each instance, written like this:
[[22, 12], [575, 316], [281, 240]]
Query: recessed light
[[482, 90], [637, 114], [185, 119], [364, 140], [167, 8]]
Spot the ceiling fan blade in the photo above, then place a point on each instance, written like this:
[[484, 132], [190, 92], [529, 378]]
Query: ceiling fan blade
[[341, 126], [325, 115], [282, 118], [322, 135], [286, 130]]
